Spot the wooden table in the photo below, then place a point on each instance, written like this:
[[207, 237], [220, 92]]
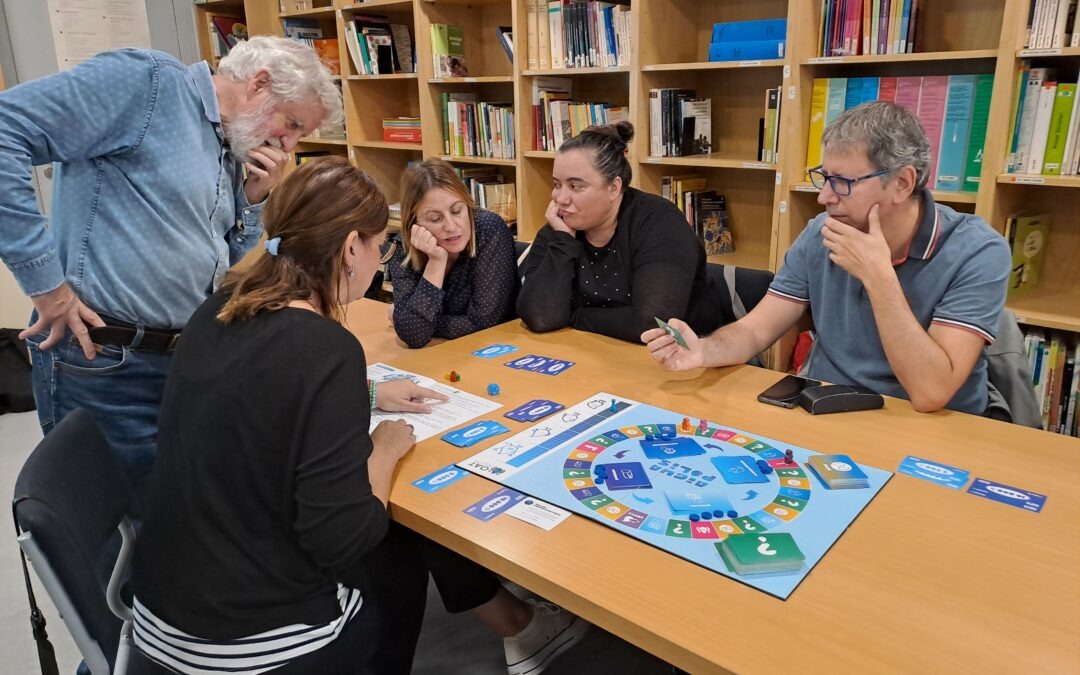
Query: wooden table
[[926, 579]]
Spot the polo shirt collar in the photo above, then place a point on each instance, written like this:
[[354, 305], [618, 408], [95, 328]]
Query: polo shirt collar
[[928, 233]]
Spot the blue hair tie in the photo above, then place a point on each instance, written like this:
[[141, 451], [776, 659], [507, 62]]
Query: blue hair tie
[[272, 245]]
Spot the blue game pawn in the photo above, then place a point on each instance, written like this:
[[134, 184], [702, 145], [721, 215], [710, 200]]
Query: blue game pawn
[[614, 408], [705, 515], [718, 514], [493, 389], [695, 517], [600, 479], [732, 514]]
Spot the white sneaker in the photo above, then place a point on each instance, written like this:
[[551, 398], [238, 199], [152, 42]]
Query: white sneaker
[[551, 632]]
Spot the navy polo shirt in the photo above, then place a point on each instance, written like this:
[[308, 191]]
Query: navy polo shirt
[[954, 274]]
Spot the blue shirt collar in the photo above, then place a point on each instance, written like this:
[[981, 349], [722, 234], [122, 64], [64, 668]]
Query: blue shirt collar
[[928, 233], [204, 83]]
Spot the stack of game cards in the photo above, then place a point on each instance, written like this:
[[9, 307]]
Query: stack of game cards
[[838, 472], [761, 553]]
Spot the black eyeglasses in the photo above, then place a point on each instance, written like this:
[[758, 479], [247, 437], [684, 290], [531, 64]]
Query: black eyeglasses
[[840, 185]]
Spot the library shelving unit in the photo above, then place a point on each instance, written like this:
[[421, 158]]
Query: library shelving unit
[[769, 203], [203, 12]]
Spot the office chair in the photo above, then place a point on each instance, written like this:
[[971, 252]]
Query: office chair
[[70, 500], [739, 289]]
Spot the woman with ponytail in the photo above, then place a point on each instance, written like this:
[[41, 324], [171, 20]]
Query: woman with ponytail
[[611, 258]]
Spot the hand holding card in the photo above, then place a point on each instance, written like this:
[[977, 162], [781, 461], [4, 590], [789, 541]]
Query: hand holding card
[[673, 332]]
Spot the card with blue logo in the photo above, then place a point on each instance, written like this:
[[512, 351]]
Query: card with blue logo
[[625, 476], [1006, 494], [534, 410], [694, 501], [934, 472], [474, 433], [739, 470], [437, 480], [544, 365], [494, 504], [494, 351]]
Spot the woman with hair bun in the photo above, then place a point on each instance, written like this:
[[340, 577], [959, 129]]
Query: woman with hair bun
[[611, 258]]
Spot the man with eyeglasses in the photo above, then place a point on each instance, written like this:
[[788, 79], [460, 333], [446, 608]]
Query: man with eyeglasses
[[905, 293]]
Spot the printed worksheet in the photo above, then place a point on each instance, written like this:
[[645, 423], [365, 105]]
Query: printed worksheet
[[444, 415]]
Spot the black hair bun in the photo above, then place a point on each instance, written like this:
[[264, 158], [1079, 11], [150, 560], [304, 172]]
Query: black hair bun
[[625, 130]]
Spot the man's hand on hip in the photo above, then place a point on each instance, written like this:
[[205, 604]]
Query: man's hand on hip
[[59, 310]]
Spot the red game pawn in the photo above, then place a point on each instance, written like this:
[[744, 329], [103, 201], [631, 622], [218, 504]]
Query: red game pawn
[[703, 425], [789, 456], [453, 376]]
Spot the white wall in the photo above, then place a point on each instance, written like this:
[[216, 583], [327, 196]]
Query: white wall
[[26, 52]]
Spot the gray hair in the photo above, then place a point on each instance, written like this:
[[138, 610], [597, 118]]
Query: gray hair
[[296, 73], [890, 134]]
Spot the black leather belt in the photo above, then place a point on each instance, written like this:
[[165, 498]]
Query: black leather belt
[[123, 334]]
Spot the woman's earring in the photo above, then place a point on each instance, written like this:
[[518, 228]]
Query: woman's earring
[[349, 272]]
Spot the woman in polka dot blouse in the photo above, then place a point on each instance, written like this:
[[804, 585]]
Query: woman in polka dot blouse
[[455, 274], [611, 258]]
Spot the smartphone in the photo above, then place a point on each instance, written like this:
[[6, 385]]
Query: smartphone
[[785, 393]]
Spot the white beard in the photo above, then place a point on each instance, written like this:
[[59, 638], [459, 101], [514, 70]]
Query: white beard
[[247, 131]]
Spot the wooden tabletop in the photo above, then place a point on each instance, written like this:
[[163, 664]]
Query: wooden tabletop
[[926, 579]]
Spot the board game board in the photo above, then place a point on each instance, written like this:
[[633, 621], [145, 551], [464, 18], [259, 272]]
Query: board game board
[[658, 470]]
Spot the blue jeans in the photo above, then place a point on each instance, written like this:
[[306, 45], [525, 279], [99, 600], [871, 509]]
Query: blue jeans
[[122, 387]]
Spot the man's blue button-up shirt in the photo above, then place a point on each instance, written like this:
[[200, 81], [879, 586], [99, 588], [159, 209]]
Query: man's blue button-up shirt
[[148, 208]]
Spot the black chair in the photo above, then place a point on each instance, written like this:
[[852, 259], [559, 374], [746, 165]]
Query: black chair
[[738, 289], [70, 499]]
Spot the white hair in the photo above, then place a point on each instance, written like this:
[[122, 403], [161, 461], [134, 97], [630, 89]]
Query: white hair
[[296, 73]]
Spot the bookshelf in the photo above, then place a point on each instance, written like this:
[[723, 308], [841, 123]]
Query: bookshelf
[[769, 203]]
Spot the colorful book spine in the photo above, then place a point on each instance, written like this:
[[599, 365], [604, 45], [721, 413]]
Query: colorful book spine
[[870, 89], [908, 90], [1041, 129], [1058, 134], [931, 113], [834, 104], [887, 89], [954, 132], [980, 114], [818, 98], [853, 92]]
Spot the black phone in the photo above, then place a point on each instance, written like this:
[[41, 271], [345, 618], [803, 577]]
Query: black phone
[[785, 393]]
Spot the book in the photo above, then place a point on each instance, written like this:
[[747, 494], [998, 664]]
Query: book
[[711, 223], [329, 54], [696, 137], [232, 29], [754, 29], [818, 98], [952, 153], [1058, 132], [931, 114], [746, 50], [1028, 237], [506, 39], [403, 47], [980, 113], [1041, 127]]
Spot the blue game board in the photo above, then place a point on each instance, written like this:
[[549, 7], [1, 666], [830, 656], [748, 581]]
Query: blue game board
[[680, 487]]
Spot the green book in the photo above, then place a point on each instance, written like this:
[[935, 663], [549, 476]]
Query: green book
[[1059, 128], [1029, 242], [761, 553], [440, 47], [980, 113]]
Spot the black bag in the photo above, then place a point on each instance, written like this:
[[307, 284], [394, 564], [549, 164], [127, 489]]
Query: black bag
[[16, 389]]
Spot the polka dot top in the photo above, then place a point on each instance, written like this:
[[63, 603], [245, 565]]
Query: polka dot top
[[477, 293]]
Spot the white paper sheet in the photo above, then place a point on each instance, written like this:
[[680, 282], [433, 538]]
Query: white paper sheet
[[444, 416]]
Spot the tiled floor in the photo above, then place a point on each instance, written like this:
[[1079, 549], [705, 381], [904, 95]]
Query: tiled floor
[[448, 644]]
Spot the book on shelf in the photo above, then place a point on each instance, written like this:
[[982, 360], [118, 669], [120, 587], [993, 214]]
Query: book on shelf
[[868, 27], [668, 117], [1054, 364], [506, 39], [1027, 236], [1051, 24], [223, 32], [490, 190], [748, 40], [767, 150], [952, 109], [448, 50], [473, 128], [710, 216], [301, 29], [327, 49], [302, 157], [402, 129], [378, 47], [696, 132], [576, 34]]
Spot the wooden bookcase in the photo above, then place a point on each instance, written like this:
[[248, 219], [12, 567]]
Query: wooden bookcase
[[769, 203]]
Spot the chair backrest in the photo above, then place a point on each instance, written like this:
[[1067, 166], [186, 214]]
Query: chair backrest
[[1012, 394], [70, 499], [738, 289]]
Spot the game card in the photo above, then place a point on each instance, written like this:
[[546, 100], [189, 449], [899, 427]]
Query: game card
[[538, 513], [474, 433], [672, 331], [934, 472], [694, 501], [738, 470], [540, 364], [494, 504], [533, 410], [440, 478], [494, 351], [1006, 494]]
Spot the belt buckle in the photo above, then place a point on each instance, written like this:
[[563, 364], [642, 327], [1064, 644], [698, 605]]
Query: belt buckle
[[172, 342]]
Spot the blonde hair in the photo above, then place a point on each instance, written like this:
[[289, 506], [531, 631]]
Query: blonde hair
[[416, 182], [312, 231]]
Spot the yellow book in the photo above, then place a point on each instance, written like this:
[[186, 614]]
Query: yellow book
[[543, 38], [818, 96], [532, 45], [896, 18]]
